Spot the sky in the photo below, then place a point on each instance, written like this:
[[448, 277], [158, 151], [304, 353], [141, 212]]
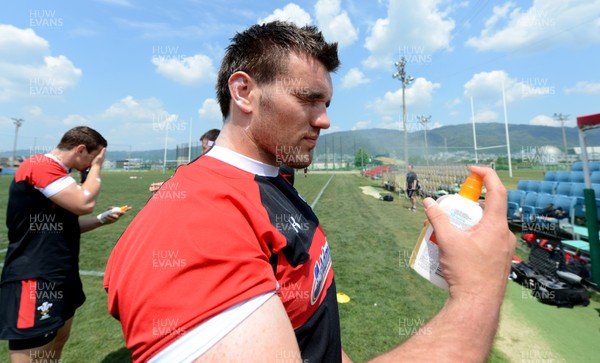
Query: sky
[[142, 73]]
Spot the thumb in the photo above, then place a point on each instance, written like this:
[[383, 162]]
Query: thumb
[[438, 219]]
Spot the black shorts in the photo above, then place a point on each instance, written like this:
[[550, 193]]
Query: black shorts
[[31, 311], [411, 193]]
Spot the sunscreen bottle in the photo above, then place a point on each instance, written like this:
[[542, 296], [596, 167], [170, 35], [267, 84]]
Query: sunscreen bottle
[[463, 211], [102, 216]]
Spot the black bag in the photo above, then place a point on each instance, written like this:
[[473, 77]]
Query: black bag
[[553, 212], [387, 198], [545, 273]]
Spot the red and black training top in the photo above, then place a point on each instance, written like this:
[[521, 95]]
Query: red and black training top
[[43, 237], [213, 236]]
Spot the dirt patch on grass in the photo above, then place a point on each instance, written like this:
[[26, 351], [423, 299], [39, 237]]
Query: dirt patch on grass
[[371, 191], [520, 341]]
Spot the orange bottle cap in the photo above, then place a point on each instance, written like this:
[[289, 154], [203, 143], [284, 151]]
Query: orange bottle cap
[[471, 188]]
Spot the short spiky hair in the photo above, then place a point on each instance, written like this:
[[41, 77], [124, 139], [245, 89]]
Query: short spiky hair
[[82, 135], [262, 51]]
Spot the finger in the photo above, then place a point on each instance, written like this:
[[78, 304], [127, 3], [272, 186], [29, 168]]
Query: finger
[[438, 219], [495, 197]]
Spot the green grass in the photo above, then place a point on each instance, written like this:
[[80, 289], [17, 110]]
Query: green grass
[[370, 240]]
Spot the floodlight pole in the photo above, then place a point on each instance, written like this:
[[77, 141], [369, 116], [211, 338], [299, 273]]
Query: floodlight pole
[[406, 80], [424, 121], [562, 118], [18, 122]]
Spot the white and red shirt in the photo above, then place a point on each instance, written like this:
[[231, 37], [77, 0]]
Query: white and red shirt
[[224, 230]]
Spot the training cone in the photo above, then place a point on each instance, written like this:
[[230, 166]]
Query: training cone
[[342, 298]]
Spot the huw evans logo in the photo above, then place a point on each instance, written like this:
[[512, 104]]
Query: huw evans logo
[[320, 272]]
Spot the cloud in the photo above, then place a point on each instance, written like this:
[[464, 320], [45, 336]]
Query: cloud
[[418, 97], [210, 113], [487, 87], [335, 23], [485, 116], [194, 70], [420, 25], [291, 13], [543, 120], [361, 125], [584, 87], [27, 69], [544, 24], [353, 78], [124, 3], [76, 120]]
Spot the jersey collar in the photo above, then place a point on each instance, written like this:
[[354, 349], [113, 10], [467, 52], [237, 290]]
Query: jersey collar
[[242, 162]]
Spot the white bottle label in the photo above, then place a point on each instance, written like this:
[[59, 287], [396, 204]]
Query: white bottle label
[[463, 214]]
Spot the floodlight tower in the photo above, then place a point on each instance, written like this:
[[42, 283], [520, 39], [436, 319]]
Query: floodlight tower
[[406, 80], [18, 122], [562, 118], [424, 120]]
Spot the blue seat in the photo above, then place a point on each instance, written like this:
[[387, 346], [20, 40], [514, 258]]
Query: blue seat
[[562, 176], [596, 188], [577, 166], [564, 188], [594, 165], [528, 207], [548, 187], [543, 200], [515, 201], [576, 176], [550, 176], [534, 186], [577, 193], [595, 176], [522, 185], [566, 203], [577, 189]]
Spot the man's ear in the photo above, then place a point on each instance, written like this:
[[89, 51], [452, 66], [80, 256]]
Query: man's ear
[[240, 89], [79, 149]]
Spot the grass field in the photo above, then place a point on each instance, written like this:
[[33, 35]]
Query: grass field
[[371, 242]]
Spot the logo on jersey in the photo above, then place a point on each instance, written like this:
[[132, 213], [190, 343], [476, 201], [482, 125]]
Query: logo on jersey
[[45, 310], [320, 272]]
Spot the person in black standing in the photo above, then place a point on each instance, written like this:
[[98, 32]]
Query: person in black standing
[[411, 188]]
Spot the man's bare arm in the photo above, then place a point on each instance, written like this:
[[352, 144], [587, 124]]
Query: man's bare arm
[[81, 200], [476, 264]]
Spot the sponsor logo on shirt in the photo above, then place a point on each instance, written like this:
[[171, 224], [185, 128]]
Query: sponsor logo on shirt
[[322, 267]]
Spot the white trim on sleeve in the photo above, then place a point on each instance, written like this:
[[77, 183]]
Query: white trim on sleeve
[[57, 186], [199, 340]]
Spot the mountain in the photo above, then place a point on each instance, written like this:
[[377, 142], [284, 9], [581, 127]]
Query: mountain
[[451, 139], [390, 142]]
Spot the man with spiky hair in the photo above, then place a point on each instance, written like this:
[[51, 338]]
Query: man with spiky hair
[[240, 269], [40, 287]]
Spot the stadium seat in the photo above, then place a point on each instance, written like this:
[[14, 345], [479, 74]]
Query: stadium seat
[[522, 185], [566, 203], [534, 186], [562, 176], [577, 193], [577, 190], [528, 207], [576, 176], [550, 176], [564, 188], [595, 177], [594, 165], [515, 200], [543, 200], [548, 187], [577, 166], [596, 188]]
